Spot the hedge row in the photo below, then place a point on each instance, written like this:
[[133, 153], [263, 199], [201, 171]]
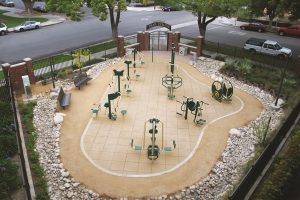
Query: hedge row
[[9, 180], [277, 184]]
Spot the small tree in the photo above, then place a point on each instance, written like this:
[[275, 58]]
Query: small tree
[[105, 8], [261, 130], [81, 56]]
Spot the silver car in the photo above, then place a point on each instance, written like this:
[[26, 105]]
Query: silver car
[[3, 29], [8, 3], [27, 25]]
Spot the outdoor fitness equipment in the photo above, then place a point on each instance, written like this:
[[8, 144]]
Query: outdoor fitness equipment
[[118, 73], [195, 107], [171, 83], [153, 149], [128, 62], [222, 90], [111, 97]]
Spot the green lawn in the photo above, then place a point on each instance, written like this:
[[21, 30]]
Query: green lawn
[[102, 46], [15, 21], [37, 64]]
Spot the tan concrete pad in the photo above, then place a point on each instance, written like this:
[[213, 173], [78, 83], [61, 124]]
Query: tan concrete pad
[[111, 167]]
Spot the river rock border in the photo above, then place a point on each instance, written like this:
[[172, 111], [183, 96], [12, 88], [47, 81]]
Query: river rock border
[[226, 172]]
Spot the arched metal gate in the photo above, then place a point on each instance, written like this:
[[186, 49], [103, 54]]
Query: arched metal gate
[[159, 40]]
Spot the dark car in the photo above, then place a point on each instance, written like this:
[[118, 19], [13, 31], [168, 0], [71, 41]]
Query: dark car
[[254, 27], [291, 30], [7, 3], [39, 6], [172, 8]]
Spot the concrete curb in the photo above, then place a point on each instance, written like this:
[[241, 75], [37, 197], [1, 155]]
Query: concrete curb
[[11, 30], [52, 19]]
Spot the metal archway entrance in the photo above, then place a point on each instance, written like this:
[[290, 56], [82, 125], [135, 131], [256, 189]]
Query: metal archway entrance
[[159, 40]]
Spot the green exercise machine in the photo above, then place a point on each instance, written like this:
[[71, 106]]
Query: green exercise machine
[[111, 97], [195, 108], [222, 90], [153, 150], [171, 82]]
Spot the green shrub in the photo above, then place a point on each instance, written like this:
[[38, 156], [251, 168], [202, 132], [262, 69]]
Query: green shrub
[[39, 180], [279, 180], [245, 66], [9, 180], [8, 145], [61, 74]]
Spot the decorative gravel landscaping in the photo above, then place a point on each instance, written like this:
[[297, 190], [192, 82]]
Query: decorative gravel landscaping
[[222, 178]]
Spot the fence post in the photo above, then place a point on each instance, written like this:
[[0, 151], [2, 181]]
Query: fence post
[[52, 71]]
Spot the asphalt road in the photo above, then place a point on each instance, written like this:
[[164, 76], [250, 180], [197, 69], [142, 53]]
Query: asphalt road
[[68, 35]]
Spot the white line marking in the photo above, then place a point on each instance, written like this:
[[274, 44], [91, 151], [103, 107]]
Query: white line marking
[[176, 166], [237, 33], [213, 28]]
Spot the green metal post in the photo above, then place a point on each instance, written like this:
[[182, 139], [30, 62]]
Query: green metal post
[[134, 53], [172, 58], [52, 72], [152, 48], [128, 62]]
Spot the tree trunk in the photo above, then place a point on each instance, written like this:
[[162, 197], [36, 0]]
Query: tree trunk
[[114, 30], [114, 23], [202, 23], [28, 6], [202, 29]]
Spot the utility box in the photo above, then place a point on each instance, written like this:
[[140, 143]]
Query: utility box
[[26, 84], [182, 51]]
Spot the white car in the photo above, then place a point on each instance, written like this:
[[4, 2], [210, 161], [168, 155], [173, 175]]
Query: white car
[[3, 29], [27, 25]]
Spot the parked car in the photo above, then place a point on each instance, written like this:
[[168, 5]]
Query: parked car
[[291, 30], [3, 29], [39, 6], [172, 8], [254, 27], [267, 47], [27, 25], [7, 3]]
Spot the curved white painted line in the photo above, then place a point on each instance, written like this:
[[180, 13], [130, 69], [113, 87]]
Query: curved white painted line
[[176, 166]]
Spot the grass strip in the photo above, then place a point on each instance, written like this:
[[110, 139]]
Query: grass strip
[[283, 172], [38, 174]]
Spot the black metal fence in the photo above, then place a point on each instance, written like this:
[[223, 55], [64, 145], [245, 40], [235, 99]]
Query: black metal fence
[[256, 170], [7, 95], [62, 60], [216, 49], [219, 48]]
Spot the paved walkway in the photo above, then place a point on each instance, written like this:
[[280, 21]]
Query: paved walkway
[[97, 151]]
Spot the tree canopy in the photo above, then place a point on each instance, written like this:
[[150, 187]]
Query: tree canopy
[[70, 7], [276, 8], [108, 8], [208, 10]]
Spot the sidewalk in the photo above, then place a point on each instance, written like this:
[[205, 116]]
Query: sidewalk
[[52, 19], [150, 8]]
